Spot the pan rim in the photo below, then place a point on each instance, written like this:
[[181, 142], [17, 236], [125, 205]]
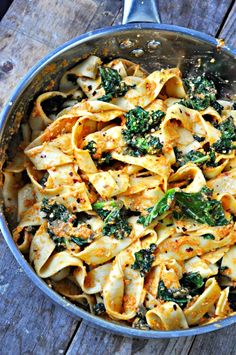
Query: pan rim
[[55, 297]]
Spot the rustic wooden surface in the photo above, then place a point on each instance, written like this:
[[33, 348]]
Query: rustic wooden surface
[[29, 322]]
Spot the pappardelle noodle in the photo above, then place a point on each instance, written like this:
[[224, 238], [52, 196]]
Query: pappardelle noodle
[[125, 187]]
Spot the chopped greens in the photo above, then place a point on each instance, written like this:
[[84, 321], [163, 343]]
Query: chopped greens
[[60, 242], [159, 208], [99, 308], [190, 285], [54, 211], [112, 84], [200, 207], [201, 93], [197, 206], [139, 121], [228, 136], [144, 259], [196, 157], [140, 321], [193, 281], [208, 236], [114, 217], [142, 145], [91, 147], [80, 241], [178, 295]]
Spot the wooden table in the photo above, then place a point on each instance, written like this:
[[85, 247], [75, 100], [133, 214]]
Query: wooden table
[[29, 322]]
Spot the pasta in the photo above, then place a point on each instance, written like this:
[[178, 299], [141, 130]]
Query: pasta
[[125, 187]]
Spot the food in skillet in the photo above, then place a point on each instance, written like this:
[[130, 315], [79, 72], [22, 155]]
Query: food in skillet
[[125, 184]]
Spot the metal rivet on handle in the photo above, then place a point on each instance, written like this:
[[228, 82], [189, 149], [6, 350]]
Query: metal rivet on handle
[[139, 52]]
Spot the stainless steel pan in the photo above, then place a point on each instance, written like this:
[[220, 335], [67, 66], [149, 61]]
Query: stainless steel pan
[[143, 39]]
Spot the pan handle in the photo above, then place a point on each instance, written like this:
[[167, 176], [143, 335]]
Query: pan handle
[[140, 11]]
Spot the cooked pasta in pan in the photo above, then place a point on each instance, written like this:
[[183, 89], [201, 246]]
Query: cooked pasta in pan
[[125, 186]]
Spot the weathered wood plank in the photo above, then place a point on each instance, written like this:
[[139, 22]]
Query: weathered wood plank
[[17, 55], [25, 36], [205, 16], [105, 343], [29, 322], [219, 342], [228, 32]]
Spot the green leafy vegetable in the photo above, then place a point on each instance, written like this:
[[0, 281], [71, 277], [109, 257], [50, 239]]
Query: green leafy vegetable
[[140, 121], [159, 208], [218, 107], [193, 281], [60, 242], [196, 157], [144, 259], [54, 211], [99, 308], [201, 93], [200, 207], [114, 217], [80, 241], [142, 145], [91, 147], [208, 236], [44, 179], [178, 295], [112, 84], [190, 285], [228, 136], [105, 159], [197, 206], [140, 321]]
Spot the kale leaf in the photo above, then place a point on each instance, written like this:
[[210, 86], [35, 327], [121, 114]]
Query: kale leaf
[[228, 136], [139, 146], [91, 147], [60, 242], [144, 259], [190, 285], [208, 236], [201, 93], [193, 281], [99, 308], [140, 121], [114, 217], [178, 295], [159, 208], [80, 241], [198, 206], [54, 211], [196, 157], [112, 84]]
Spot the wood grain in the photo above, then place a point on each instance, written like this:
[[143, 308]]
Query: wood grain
[[29, 322], [228, 32]]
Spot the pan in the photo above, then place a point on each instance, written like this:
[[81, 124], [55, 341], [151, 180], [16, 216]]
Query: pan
[[141, 38]]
